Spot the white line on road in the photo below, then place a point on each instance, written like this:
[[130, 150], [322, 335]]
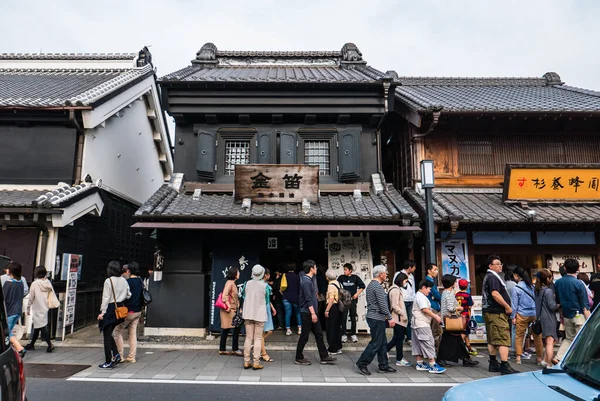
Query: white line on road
[[251, 383]]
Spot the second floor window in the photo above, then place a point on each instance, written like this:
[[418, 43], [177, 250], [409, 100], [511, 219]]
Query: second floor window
[[236, 152], [317, 153]]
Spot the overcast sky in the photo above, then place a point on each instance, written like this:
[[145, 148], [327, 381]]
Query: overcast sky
[[418, 37]]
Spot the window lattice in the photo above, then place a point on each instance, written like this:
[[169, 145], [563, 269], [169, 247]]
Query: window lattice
[[236, 152], [316, 153]]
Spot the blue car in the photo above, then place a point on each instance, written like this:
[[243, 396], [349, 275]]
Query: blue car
[[576, 378]]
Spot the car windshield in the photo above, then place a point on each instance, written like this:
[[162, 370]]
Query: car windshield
[[583, 359]]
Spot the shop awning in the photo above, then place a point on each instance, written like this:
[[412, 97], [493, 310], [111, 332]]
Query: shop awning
[[275, 227]]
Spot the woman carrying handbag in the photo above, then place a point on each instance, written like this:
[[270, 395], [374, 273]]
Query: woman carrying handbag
[[40, 298], [115, 291], [452, 346]]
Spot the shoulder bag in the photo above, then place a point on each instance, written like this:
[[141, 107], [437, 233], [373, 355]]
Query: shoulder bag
[[455, 323], [536, 326], [53, 301], [146, 296], [120, 311]]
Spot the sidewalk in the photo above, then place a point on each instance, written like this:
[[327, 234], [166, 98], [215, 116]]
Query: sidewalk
[[209, 366]]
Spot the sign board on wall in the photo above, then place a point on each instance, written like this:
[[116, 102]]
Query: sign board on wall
[[476, 323], [586, 263], [357, 252], [272, 183], [455, 258], [552, 183]]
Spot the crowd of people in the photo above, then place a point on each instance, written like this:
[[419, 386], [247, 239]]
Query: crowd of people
[[516, 310]]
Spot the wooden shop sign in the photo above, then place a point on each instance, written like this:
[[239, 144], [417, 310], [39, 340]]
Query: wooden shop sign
[[277, 183]]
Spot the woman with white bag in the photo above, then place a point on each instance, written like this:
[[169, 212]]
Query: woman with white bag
[[41, 299]]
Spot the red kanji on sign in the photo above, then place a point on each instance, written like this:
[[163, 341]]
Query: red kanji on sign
[[521, 182]]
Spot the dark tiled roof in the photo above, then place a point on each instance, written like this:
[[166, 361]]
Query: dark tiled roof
[[276, 73], [60, 87], [43, 199], [68, 56], [18, 198], [168, 203], [547, 94], [484, 205], [213, 65]]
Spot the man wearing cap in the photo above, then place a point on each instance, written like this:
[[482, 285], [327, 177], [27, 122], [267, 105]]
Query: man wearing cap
[[309, 306], [255, 316]]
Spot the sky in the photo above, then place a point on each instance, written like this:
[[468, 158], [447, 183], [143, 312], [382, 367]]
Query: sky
[[414, 38]]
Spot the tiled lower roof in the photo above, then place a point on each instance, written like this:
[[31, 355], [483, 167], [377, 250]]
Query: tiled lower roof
[[168, 203], [484, 205], [25, 198], [63, 87]]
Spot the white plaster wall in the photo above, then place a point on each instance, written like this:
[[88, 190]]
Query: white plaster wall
[[123, 154]]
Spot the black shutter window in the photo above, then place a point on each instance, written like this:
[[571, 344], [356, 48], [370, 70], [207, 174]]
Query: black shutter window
[[349, 154], [265, 148], [205, 157], [287, 148]]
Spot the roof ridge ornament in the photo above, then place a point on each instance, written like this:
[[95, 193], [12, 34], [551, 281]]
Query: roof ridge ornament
[[206, 57], [351, 56], [552, 78]]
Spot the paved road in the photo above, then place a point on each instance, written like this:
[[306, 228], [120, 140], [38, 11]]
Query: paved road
[[57, 389]]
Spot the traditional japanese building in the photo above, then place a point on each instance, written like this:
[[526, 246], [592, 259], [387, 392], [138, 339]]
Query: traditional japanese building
[[516, 168], [277, 160], [84, 144]]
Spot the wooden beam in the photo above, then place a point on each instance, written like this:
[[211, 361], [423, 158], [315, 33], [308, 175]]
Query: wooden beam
[[409, 115], [190, 187], [494, 181]]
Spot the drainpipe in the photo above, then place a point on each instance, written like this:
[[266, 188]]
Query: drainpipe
[[387, 83], [79, 150], [434, 123]]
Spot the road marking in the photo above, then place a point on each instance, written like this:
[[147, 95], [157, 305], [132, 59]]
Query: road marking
[[248, 383]]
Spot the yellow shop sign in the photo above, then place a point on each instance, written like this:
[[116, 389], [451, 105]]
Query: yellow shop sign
[[552, 183]]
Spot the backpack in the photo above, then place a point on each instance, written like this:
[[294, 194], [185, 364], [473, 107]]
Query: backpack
[[344, 298]]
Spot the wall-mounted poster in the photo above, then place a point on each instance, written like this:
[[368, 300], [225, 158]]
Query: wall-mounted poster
[[476, 323], [355, 250], [455, 258]]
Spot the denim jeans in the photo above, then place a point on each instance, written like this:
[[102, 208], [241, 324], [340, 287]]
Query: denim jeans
[[377, 346], [12, 322], [397, 341], [289, 307]]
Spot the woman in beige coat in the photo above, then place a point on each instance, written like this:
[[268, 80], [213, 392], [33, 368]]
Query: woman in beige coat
[[232, 301], [399, 316], [38, 302]]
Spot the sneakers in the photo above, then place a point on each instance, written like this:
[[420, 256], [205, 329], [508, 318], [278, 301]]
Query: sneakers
[[422, 366], [506, 369], [106, 365], [436, 369], [526, 355], [344, 338], [335, 353], [408, 342], [403, 362], [328, 361], [494, 366], [473, 352], [288, 332], [303, 362], [116, 360], [363, 370], [299, 330], [354, 338]]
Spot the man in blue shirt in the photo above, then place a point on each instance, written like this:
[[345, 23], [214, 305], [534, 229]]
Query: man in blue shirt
[[435, 298], [309, 306], [573, 301]]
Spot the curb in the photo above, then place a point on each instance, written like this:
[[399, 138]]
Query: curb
[[67, 344]]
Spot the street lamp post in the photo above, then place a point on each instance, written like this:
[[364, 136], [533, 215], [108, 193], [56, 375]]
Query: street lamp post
[[428, 183]]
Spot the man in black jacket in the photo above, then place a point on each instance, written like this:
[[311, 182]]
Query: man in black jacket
[[355, 286]]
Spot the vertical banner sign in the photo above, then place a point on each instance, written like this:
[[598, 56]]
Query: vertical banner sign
[[72, 266], [478, 334], [455, 258], [357, 252], [223, 259]]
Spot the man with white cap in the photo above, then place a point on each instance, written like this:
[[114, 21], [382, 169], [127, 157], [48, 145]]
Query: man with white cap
[[255, 316]]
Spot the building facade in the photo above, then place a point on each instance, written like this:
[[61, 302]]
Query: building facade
[[84, 144], [473, 128], [246, 120]]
